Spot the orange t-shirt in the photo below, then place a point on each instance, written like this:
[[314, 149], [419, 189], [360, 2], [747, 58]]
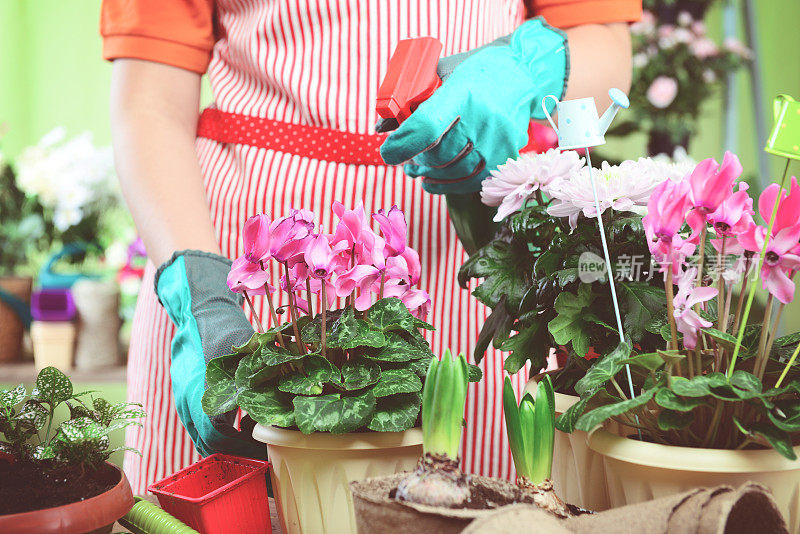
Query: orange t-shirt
[[182, 33]]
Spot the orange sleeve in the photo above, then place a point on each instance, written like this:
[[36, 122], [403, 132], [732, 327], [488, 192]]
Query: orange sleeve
[[175, 32], [568, 13]]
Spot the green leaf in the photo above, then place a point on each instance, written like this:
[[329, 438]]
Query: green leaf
[[667, 399], [253, 370], [420, 367], [273, 355], [651, 361], [315, 372], [531, 343], [221, 390], [599, 415], [566, 276], [723, 339], [80, 430], [606, 368], [32, 417], [391, 314], [505, 270], [780, 440], [474, 373], [347, 332], [494, 327], [393, 381], [312, 330], [330, 413], [359, 373], [52, 386], [642, 301], [400, 349], [567, 420], [250, 346], [698, 386], [11, 397], [674, 419], [396, 413], [568, 327], [745, 385], [269, 407]]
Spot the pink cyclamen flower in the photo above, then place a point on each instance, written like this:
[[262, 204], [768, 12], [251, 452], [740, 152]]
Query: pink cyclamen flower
[[687, 320], [246, 275], [712, 184], [513, 183], [257, 238], [662, 91], [780, 258], [394, 229], [352, 223], [672, 253], [666, 213], [416, 300], [735, 215], [288, 234], [788, 209], [319, 257]]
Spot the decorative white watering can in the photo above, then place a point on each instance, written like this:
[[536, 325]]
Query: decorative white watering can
[[578, 123]]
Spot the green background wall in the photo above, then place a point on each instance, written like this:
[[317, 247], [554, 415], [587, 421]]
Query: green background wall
[[51, 74]]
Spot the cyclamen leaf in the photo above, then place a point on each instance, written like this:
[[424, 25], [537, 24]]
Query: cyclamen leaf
[[667, 399], [312, 330], [568, 327], [268, 407], [316, 371], [396, 413], [272, 355], [221, 391], [52, 386], [399, 349], [348, 332], [698, 386], [599, 415], [391, 314], [330, 413], [780, 440], [253, 370], [605, 369], [566, 421], [745, 384], [357, 374], [393, 381], [674, 420]]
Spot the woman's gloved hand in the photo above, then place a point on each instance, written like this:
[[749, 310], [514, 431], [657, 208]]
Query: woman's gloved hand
[[209, 320], [479, 117]]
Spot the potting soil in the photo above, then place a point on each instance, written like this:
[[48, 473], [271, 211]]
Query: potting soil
[[25, 487]]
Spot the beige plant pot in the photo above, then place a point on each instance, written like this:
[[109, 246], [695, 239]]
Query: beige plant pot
[[311, 473], [53, 344], [637, 471], [578, 474], [97, 304]]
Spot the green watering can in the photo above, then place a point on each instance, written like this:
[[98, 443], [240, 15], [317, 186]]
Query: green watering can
[[784, 139]]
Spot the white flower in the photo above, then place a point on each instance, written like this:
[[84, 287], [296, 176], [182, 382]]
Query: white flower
[[683, 35], [703, 48], [624, 187], [685, 18], [515, 182], [709, 76], [640, 60], [677, 166]]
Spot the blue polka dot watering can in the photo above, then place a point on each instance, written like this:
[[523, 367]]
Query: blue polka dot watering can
[[578, 123]]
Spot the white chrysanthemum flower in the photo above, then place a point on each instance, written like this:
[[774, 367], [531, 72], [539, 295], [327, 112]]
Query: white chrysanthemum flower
[[512, 184], [624, 187]]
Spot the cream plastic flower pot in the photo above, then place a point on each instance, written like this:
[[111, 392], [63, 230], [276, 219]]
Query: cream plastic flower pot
[[578, 474], [311, 473], [53, 344], [637, 471]]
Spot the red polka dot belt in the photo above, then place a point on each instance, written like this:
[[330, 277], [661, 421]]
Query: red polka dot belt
[[301, 139]]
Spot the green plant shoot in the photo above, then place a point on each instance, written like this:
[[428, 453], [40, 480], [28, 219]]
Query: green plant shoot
[[444, 398], [531, 430]]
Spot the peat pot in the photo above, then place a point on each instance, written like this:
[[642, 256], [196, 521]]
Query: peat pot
[[637, 471], [311, 473]]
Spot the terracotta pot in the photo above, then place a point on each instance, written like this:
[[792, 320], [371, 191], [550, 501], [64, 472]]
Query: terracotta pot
[[311, 472], [376, 513], [637, 471], [578, 473], [11, 328], [95, 515]]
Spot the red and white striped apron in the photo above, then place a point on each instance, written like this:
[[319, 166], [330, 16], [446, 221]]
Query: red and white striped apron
[[319, 63]]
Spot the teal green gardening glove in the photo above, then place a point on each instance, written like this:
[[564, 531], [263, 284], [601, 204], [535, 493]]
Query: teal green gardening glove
[[479, 117], [209, 320]]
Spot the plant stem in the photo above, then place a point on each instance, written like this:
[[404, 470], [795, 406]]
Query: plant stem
[[619, 389], [383, 282], [754, 284], [722, 319], [702, 253], [255, 313], [771, 337], [293, 312], [308, 296], [788, 366], [762, 341], [274, 316], [712, 428], [324, 325], [671, 308], [740, 300]]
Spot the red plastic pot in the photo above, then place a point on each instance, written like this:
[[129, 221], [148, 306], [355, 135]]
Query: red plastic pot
[[218, 494]]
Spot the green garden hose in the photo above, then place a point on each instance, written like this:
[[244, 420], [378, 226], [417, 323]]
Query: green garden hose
[[147, 518]]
